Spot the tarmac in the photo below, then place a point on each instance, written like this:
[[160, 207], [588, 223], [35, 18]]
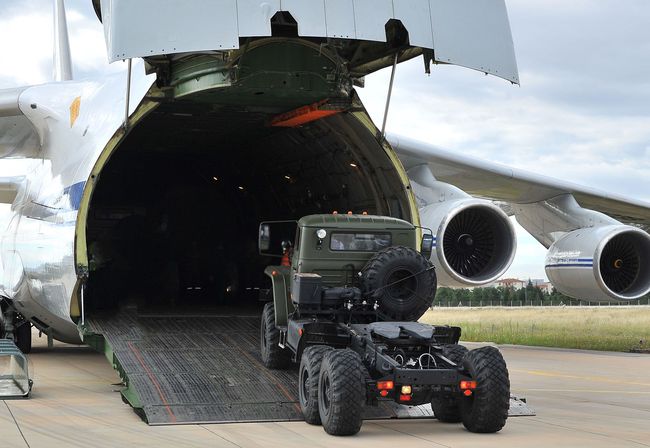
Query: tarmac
[[582, 399]]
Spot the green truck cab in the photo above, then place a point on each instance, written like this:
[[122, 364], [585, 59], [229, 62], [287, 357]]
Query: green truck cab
[[334, 246]]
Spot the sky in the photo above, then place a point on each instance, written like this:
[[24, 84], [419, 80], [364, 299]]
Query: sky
[[581, 113]]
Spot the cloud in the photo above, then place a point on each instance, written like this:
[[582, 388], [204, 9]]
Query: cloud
[[529, 260], [26, 45], [581, 114]]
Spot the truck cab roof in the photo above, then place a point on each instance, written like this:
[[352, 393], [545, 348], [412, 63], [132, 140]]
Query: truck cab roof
[[354, 222]]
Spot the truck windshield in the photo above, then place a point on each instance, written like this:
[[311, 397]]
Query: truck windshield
[[362, 242]]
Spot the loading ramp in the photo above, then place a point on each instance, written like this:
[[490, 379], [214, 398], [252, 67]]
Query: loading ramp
[[180, 369]]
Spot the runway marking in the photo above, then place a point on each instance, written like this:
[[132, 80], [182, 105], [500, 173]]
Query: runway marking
[[16, 422], [591, 391], [388, 427], [220, 436], [582, 430], [598, 379], [137, 354]]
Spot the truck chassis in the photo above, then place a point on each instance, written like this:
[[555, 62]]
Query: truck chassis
[[344, 366], [346, 300]]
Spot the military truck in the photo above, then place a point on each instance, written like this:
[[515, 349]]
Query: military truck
[[345, 303]]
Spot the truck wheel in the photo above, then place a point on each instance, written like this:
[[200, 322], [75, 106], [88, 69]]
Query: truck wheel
[[273, 356], [445, 408], [402, 280], [310, 363], [486, 410], [23, 336], [341, 392]]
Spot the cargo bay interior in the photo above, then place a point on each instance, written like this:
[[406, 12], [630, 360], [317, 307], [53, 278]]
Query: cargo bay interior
[[173, 221]]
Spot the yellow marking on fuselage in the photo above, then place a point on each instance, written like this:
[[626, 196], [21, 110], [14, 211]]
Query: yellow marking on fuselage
[[75, 107]]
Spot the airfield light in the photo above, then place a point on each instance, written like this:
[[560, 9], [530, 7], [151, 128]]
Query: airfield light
[[353, 165], [241, 188], [216, 179], [385, 385], [287, 177], [407, 390]]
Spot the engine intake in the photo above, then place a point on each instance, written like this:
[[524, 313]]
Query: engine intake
[[476, 241], [601, 264]]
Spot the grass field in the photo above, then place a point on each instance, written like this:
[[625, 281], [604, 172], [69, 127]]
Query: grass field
[[597, 328]]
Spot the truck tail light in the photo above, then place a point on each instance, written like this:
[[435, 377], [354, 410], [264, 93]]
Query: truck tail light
[[467, 385], [385, 385]]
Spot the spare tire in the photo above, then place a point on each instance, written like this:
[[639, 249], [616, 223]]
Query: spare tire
[[402, 281]]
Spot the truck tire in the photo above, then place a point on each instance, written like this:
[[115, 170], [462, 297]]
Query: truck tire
[[23, 336], [486, 410], [446, 408], [273, 356], [402, 281], [341, 393], [310, 364]]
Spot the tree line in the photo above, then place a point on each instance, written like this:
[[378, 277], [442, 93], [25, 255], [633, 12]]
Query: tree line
[[509, 296]]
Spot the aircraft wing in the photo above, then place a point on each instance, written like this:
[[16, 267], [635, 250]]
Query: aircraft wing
[[18, 138], [498, 182]]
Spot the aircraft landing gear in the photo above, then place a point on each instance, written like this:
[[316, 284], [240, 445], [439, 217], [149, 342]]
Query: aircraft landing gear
[[15, 327]]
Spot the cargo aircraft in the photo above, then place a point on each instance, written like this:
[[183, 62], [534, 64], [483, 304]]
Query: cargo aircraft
[[146, 188]]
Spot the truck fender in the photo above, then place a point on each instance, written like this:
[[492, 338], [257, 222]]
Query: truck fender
[[280, 279]]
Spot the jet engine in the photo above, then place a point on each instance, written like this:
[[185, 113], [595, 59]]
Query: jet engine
[[601, 263], [475, 241]]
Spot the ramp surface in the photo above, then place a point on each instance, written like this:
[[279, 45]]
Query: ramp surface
[[206, 369], [191, 369]]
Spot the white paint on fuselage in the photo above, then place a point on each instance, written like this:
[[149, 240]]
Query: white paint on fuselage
[[38, 246]]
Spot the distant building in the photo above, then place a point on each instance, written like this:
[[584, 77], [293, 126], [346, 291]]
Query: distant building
[[546, 287], [510, 283]]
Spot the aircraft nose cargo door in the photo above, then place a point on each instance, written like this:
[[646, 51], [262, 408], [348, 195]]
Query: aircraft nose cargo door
[[14, 376]]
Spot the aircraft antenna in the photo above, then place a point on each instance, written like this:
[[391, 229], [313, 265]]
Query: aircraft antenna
[[62, 60], [390, 93]]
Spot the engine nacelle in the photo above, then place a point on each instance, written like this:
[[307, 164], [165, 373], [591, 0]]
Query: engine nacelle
[[475, 241], [603, 263]]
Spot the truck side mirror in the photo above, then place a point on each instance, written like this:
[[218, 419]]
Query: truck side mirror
[[427, 245], [274, 236]]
